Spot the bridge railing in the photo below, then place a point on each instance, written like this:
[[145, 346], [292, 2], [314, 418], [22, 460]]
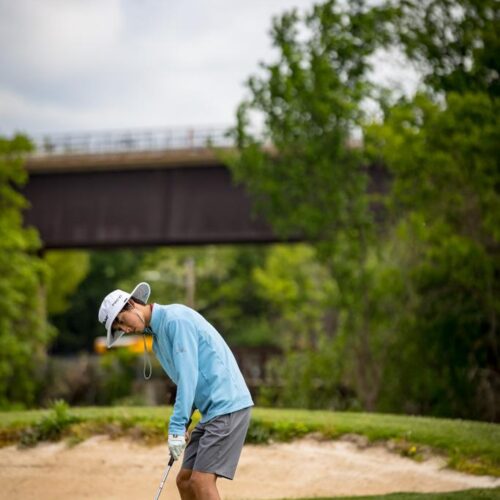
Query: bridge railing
[[126, 141]]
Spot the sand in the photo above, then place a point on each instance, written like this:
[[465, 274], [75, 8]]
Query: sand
[[101, 468]]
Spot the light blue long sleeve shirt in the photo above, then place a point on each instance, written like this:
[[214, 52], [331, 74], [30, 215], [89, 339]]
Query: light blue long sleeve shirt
[[199, 362]]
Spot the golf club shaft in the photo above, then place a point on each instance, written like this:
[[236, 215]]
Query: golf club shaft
[[164, 478], [167, 469]]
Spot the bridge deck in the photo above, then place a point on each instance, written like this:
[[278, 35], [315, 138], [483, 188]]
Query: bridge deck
[[134, 160]]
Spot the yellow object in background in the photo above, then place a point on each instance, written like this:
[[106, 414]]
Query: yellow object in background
[[133, 343]]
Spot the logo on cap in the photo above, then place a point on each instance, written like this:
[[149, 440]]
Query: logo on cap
[[117, 299]]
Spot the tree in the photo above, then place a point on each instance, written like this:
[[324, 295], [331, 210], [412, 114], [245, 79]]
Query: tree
[[441, 147], [24, 332], [67, 269], [417, 302], [300, 292], [444, 163], [454, 43], [310, 100], [224, 291], [302, 170]]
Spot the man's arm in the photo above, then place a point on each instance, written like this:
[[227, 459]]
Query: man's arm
[[185, 356]]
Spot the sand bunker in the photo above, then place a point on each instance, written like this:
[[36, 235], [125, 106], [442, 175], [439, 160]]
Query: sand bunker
[[100, 468]]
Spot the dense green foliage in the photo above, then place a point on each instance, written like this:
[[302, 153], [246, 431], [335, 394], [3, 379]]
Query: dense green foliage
[[469, 446], [312, 183], [217, 281], [447, 207], [67, 270], [24, 332], [415, 296], [455, 43], [77, 322]]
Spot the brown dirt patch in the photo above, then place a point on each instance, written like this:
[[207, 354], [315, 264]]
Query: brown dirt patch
[[121, 469]]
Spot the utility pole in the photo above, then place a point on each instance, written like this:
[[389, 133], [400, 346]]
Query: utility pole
[[190, 281]]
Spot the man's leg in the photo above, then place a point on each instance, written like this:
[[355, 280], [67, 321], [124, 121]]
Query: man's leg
[[204, 486], [213, 451], [184, 475], [184, 484]]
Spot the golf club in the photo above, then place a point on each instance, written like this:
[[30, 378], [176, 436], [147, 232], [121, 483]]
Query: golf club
[[169, 466], [164, 478]]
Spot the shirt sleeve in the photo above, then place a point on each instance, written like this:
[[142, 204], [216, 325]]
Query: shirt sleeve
[[185, 357]]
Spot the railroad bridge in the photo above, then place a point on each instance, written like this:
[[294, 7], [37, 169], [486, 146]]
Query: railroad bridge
[[148, 188]]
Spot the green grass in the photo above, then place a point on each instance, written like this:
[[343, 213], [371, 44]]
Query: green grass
[[469, 445], [472, 447], [476, 494]]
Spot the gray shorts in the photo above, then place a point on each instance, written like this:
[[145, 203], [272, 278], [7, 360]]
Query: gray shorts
[[216, 445]]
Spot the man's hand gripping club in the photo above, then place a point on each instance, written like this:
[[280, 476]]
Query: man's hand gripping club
[[176, 444]]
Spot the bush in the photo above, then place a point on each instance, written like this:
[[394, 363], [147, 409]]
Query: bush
[[50, 427], [117, 372], [24, 331], [263, 432], [308, 379]]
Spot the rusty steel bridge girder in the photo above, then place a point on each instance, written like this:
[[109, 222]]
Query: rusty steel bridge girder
[[149, 198]]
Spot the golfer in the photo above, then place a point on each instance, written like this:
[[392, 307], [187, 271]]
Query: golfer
[[200, 363]]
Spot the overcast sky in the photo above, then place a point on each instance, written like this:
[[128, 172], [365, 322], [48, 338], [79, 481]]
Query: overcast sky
[[84, 65], [78, 65]]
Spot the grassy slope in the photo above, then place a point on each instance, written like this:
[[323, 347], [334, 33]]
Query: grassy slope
[[459, 439], [471, 446]]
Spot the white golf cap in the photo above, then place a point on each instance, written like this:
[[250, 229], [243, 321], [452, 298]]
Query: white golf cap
[[113, 303]]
